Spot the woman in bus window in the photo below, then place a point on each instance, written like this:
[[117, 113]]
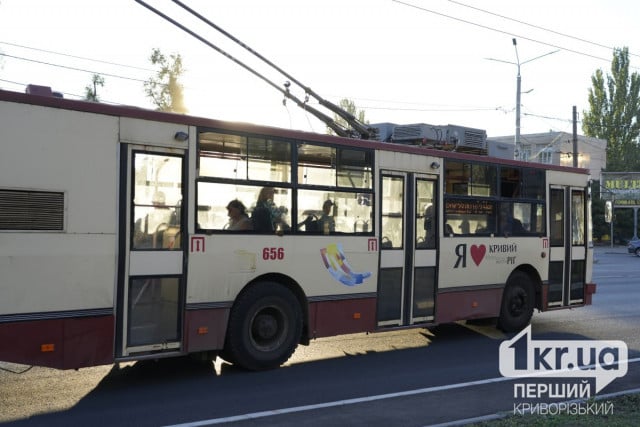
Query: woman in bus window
[[266, 216], [238, 218]]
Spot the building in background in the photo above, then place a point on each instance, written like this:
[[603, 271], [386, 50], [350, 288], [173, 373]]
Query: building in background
[[554, 148]]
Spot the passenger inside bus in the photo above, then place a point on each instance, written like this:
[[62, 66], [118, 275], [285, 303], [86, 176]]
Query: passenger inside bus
[[326, 223], [148, 229], [238, 218], [266, 216], [448, 230], [509, 225], [429, 241]]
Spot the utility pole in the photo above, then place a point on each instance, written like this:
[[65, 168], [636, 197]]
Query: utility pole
[[575, 137], [517, 152]]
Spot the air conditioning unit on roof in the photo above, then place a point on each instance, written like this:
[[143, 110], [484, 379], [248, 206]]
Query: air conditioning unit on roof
[[449, 137]]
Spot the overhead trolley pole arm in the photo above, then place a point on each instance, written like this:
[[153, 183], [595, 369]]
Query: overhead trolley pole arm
[[363, 130], [339, 130]]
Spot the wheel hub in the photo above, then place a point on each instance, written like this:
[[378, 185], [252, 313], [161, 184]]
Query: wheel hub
[[265, 327]]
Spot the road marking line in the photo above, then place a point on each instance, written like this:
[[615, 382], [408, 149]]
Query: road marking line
[[489, 331], [264, 414]]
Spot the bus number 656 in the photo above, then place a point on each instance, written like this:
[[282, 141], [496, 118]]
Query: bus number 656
[[272, 253]]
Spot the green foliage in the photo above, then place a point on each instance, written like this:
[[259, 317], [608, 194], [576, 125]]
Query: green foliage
[[600, 227], [622, 225], [164, 89], [91, 91], [350, 107], [614, 113]]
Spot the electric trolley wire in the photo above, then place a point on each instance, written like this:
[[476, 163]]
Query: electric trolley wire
[[536, 26], [486, 27], [337, 128], [75, 56], [70, 68], [364, 132], [455, 109]]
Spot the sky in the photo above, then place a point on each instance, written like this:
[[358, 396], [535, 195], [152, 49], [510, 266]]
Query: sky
[[437, 62]]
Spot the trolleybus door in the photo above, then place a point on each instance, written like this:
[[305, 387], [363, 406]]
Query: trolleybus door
[[151, 271], [568, 245], [408, 221]]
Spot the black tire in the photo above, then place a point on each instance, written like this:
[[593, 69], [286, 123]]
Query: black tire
[[265, 326], [637, 252], [517, 303]]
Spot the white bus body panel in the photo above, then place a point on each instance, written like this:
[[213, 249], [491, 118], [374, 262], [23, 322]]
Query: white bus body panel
[[74, 153]]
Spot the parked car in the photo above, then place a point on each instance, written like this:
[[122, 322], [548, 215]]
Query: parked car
[[634, 247]]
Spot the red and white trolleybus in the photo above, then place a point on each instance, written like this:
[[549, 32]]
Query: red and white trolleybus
[[117, 241]]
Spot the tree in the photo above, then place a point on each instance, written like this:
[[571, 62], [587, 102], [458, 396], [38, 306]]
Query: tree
[[165, 89], [614, 113], [91, 91], [350, 107]]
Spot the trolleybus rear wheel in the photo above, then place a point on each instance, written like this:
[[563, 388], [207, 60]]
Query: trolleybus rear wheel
[[264, 327], [517, 303]]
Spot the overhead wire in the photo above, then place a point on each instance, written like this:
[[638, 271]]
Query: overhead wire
[[70, 68], [509, 33], [535, 26], [462, 109], [75, 56]]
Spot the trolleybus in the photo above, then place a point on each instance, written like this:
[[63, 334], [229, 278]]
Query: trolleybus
[[118, 243]]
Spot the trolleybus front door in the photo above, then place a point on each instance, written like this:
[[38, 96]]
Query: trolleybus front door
[[568, 246], [151, 278], [408, 221]]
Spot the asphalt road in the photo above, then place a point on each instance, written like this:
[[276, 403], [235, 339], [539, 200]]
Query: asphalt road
[[447, 374]]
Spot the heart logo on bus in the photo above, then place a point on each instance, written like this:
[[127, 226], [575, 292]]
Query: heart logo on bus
[[477, 253]]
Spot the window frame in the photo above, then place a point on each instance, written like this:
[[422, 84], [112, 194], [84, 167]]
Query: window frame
[[363, 194]]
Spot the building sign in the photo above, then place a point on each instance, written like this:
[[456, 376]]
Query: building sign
[[621, 187]]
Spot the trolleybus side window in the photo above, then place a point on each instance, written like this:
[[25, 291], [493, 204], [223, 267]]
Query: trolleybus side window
[[578, 213], [334, 189], [425, 214], [332, 185], [316, 165], [269, 160], [485, 199], [392, 219], [533, 184], [355, 168], [470, 179], [157, 201]]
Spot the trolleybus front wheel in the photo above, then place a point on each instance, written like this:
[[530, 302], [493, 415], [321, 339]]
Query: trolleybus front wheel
[[265, 326], [517, 303]]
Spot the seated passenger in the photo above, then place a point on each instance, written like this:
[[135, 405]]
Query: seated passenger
[[238, 218], [509, 225], [448, 230], [326, 223]]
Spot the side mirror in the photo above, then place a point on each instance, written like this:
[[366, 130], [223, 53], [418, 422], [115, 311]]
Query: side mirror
[[608, 211]]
